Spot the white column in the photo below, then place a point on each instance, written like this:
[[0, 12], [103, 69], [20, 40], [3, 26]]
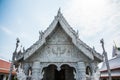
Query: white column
[[4, 78], [95, 71], [81, 74], [36, 70]]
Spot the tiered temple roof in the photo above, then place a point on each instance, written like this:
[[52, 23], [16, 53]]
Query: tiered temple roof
[[114, 64], [5, 67]]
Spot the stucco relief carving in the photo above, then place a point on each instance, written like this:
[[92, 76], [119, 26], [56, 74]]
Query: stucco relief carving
[[26, 68], [58, 50], [20, 73], [67, 53]]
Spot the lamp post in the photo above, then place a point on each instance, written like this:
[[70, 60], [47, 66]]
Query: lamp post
[[13, 58], [106, 59]]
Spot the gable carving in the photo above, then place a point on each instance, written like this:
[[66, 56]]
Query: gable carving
[[58, 37], [58, 48], [58, 53]]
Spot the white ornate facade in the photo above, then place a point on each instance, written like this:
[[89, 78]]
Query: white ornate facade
[[59, 54]]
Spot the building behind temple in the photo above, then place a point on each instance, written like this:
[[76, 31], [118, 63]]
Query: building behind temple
[[4, 70], [59, 54], [114, 64]]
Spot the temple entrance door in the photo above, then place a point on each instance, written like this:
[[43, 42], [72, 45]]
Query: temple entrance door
[[60, 75], [67, 72], [51, 73]]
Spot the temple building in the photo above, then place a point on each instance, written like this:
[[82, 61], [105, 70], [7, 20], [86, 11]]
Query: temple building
[[114, 64], [4, 70], [59, 54]]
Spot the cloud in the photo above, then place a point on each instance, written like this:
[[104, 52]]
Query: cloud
[[6, 30], [91, 15], [95, 19]]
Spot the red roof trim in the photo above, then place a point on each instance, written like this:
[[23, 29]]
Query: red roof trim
[[107, 76], [5, 67], [111, 70], [7, 72]]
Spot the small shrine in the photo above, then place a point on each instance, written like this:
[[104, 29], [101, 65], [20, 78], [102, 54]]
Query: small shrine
[[59, 54]]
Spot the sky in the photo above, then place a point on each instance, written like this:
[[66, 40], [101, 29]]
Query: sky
[[94, 19]]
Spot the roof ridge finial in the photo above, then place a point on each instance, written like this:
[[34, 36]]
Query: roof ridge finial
[[59, 11], [114, 44]]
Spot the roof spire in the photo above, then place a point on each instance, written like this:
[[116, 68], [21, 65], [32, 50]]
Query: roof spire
[[115, 44], [59, 12]]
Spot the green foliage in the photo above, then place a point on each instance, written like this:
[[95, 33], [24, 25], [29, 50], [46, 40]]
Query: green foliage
[[118, 48]]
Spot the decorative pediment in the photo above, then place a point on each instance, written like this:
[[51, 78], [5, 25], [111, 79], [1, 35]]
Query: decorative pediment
[[60, 32]]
